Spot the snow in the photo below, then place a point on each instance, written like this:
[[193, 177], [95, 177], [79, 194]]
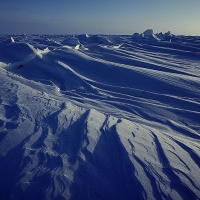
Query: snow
[[12, 40], [100, 117]]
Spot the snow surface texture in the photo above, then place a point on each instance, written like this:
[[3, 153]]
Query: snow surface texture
[[100, 117]]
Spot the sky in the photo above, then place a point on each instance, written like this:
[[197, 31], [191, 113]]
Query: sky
[[99, 16]]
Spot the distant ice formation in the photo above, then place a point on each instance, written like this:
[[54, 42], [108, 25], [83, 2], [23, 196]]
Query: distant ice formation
[[149, 34]]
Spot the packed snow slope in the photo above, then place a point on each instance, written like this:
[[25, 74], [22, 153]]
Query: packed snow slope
[[100, 117]]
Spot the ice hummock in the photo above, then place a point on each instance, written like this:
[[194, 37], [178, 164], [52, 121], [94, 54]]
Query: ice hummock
[[151, 35]]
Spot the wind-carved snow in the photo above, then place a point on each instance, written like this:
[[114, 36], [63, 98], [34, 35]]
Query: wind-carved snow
[[100, 117]]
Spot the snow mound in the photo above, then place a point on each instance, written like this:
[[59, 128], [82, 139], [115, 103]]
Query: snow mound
[[84, 38], [71, 41], [15, 52], [101, 40], [94, 39], [41, 66], [136, 35]]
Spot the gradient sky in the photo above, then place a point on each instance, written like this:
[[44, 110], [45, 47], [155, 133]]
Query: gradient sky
[[95, 16]]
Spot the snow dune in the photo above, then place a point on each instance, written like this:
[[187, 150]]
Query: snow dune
[[100, 117]]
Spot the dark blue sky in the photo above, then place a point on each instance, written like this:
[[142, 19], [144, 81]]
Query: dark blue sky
[[95, 16]]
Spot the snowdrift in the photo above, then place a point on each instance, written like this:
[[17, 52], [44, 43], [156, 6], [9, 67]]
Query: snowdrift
[[15, 52], [115, 117]]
